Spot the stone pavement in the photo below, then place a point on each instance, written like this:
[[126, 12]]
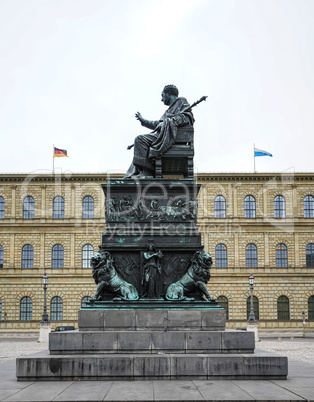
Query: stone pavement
[[299, 386]]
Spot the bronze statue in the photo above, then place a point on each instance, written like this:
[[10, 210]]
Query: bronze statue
[[195, 278], [107, 279], [148, 146], [152, 272]]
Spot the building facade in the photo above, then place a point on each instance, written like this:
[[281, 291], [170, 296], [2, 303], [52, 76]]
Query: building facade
[[250, 223]]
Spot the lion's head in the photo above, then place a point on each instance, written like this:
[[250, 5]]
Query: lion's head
[[95, 260], [201, 262]]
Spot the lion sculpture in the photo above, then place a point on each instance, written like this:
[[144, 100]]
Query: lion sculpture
[[194, 279], [107, 279]]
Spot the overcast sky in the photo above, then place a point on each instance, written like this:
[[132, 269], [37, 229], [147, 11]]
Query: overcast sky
[[74, 72]]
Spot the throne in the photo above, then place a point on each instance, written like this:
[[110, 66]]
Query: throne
[[178, 160]]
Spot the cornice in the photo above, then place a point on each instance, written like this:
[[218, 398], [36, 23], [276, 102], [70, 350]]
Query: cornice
[[199, 177], [254, 177], [44, 178]]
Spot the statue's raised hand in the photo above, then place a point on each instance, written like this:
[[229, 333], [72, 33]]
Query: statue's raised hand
[[138, 116]]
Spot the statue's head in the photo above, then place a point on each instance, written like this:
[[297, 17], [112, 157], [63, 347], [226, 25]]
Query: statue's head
[[150, 247], [169, 94]]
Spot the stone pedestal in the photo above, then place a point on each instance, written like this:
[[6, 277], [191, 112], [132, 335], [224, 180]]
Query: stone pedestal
[[154, 315], [168, 336], [44, 331], [162, 213], [138, 345], [252, 326]]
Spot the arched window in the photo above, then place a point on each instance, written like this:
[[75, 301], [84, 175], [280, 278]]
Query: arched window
[[221, 256], [223, 302], [58, 208], [283, 311], [249, 207], [255, 307], [57, 256], [251, 256], [28, 208], [220, 207], [309, 206], [279, 207], [85, 300], [87, 253], [2, 204], [281, 256], [56, 309], [311, 307], [0, 309], [26, 305], [88, 207], [27, 256], [1, 256], [309, 252]]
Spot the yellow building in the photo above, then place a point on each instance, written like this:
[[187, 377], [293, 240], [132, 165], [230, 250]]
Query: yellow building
[[259, 223]]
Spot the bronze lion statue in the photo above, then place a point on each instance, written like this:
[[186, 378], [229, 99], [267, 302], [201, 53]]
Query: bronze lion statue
[[194, 279], [107, 279]]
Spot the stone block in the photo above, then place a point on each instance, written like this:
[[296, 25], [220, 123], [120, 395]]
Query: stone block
[[203, 342], [76, 366], [99, 341], [155, 319], [152, 367], [260, 365], [238, 341], [118, 319], [134, 341], [115, 366], [171, 341], [187, 366], [182, 319], [225, 366], [90, 320], [213, 320], [63, 342]]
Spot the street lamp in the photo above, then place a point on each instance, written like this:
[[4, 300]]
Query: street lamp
[[303, 320], [251, 315], [44, 318]]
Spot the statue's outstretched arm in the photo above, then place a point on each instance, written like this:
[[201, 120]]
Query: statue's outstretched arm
[[146, 123]]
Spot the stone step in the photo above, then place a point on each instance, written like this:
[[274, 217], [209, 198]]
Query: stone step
[[163, 366], [73, 342], [156, 315]]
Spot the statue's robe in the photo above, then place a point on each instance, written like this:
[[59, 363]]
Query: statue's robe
[[149, 146]]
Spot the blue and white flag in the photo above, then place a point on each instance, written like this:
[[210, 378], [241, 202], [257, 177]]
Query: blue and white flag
[[259, 152]]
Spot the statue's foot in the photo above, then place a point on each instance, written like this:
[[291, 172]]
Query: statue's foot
[[133, 171]]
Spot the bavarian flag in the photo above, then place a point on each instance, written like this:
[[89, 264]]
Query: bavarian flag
[[260, 152], [59, 152]]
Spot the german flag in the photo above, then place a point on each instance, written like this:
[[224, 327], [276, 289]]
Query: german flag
[[59, 152]]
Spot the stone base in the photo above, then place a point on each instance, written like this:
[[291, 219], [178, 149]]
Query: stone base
[[252, 326], [44, 331], [143, 344], [108, 367], [151, 342], [106, 316]]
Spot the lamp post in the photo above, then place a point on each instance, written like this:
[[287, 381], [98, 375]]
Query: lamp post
[[251, 315], [303, 320], [44, 318]]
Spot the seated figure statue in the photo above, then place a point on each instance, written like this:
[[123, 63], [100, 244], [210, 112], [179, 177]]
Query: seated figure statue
[[149, 146]]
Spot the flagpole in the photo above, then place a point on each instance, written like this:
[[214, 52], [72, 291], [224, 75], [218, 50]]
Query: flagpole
[[53, 159], [254, 156]]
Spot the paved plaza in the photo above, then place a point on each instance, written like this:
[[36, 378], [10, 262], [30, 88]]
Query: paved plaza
[[299, 385]]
